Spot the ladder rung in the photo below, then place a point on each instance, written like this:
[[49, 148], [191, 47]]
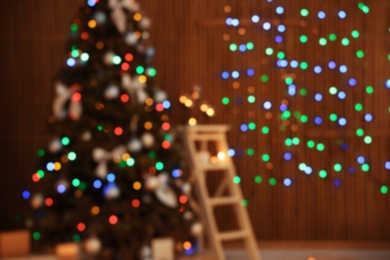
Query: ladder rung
[[232, 235], [215, 167], [223, 200]]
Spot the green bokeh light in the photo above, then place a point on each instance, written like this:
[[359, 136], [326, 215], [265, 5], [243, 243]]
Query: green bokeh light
[[358, 107], [152, 72], [296, 141], [365, 167], [116, 60], [140, 70], [337, 167], [269, 51], [65, 141], [264, 78], [304, 12], [244, 202], [265, 130], [251, 99], [384, 189], [41, 152], [272, 181], [355, 34], [236, 179], [250, 45], [322, 41], [303, 92], [84, 57], [252, 126], [368, 139], [225, 100], [288, 80], [304, 118], [72, 156], [130, 162], [258, 179], [303, 65], [74, 27], [310, 143], [36, 235], [303, 38], [250, 152], [233, 47], [281, 55], [288, 142], [75, 182], [369, 90], [345, 41], [332, 37], [333, 117], [359, 132], [320, 147], [333, 90], [360, 54], [323, 174], [159, 166], [265, 157]]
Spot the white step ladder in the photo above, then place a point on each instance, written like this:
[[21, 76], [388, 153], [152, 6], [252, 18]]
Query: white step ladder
[[207, 149]]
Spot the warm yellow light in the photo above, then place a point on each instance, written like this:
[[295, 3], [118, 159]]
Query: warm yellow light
[[137, 17], [195, 95], [142, 78], [204, 107], [148, 125], [95, 210], [192, 121], [149, 101], [92, 24], [57, 166], [187, 245], [221, 156], [210, 111], [137, 34], [188, 103], [182, 99], [125, 156], [137, 185]]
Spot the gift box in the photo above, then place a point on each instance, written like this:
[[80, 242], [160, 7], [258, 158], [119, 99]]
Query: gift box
[[15, 243], [68, 251], [162, 249]]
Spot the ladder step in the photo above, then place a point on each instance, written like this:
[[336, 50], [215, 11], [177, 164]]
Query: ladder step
[[233, 235], [214, 167], [223, 200]]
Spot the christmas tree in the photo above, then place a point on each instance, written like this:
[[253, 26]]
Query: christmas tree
[[112, 172]]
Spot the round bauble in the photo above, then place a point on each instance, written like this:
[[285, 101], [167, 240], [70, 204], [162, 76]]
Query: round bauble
[[100, 17], [188, 215], [111, 92], [145, 23], [196, 229], [160, 96], [130, 38], [37, 201], [147, 139], [93, 245], [152, 183], [107, 58], [186, 188], [134, 145], [150, 52], [55, 145], [86, 136], [111, 191], [98, 154]]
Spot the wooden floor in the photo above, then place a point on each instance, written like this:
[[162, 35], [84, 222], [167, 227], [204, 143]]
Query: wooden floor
[[285, 251], [307, 251]]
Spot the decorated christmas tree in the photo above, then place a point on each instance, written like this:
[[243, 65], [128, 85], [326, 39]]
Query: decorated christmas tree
[[112, 173]]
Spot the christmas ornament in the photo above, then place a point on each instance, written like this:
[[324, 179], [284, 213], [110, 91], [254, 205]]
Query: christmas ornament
[[111, 92], [55, 145], [130, 38], [134, 145], [63, 93], [92, 245], [147, 139], [145, 23], [37, 200], [111, 191], [101, 156], [100, 17], [164, 193], [75, 110], [107, 58], [118, 15], [135, 88], [152, 183], [160, 96], [86, 136], [196, 229]]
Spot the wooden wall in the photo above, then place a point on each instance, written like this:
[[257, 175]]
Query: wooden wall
[[188, 37]]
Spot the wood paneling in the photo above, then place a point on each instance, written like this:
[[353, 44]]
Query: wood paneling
[[190, 49]]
